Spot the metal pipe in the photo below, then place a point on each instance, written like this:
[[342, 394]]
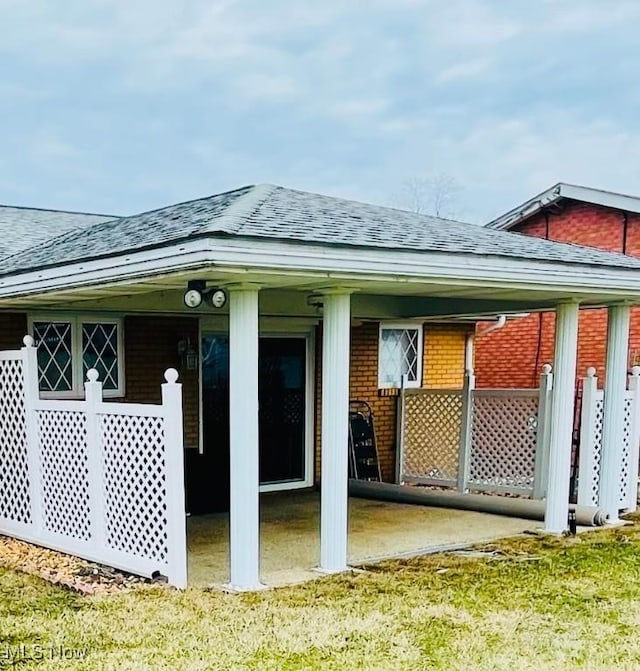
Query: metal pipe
[[587, 516]]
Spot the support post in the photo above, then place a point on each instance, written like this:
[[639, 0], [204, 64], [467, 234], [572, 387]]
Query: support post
[[541, 468], [561, 425], [93, 398], [335, 424], [31, 396], [244, 513], [634, 446], [613, 413], [587, 464], [174, 454], [466, 430]]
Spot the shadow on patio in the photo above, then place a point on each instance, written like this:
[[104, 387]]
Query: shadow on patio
[[289, 535]]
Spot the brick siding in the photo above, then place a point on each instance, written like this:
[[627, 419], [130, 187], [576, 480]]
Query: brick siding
[[514, 355]]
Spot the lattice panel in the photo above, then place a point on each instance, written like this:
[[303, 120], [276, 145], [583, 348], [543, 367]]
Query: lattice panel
[[62, 437], [594, 476], [627, 436], [431, 435], [15, 503], [293, 407], [503, 443], [135, 485]]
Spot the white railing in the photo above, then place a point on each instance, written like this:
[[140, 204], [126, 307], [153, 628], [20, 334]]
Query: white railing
[[100, 480], [591, 418]]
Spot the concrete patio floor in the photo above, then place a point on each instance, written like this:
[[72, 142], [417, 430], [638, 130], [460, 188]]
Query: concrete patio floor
[[289, 535]]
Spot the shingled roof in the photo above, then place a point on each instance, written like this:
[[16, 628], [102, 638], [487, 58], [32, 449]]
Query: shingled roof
[[268, 212], [25, 227]]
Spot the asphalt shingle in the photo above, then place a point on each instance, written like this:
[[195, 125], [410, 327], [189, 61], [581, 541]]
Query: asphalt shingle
[[278, 213], [24, 227]]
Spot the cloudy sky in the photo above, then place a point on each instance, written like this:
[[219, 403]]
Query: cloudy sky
[[119, 106]]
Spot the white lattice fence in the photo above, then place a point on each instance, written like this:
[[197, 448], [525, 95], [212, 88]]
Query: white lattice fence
[[99, 480], [591, 438], [135, 485], [484, 440], [431, 422], [15, 499], [503, 440]]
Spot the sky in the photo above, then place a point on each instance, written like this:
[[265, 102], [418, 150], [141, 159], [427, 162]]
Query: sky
[[120, 106]]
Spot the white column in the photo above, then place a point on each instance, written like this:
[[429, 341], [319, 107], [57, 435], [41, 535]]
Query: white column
[[613, 415], [561, 426], [335, 427], [244, 511]]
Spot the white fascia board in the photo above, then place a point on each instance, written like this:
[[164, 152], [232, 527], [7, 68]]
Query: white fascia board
[[335, 264], [617, 201]]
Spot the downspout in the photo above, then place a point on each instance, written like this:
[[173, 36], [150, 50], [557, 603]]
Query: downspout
[[471, 337]]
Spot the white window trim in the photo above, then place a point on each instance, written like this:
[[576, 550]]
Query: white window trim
[[386, 326], [77, 320]]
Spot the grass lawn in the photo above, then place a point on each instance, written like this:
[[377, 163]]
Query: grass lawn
[[537, 604]]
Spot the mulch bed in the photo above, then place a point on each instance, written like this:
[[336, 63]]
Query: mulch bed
[[68, 571]]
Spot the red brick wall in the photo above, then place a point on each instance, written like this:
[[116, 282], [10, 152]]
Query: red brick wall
[[514, 355]]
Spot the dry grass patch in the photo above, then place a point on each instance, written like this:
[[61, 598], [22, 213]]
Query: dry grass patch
[[531, 603]]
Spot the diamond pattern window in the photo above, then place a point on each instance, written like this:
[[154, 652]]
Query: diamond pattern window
[[400, 354], [53, 340], [100, 351], [69, 346]]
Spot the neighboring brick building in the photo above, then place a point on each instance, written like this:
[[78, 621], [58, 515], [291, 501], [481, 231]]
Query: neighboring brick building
[[513, 356]]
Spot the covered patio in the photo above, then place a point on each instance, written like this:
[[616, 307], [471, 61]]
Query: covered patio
[[290, 536], [286, 256]]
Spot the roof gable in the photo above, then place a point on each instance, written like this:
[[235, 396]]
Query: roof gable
[[558, 192]]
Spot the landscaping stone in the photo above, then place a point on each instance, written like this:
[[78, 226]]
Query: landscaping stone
[[83, 576]]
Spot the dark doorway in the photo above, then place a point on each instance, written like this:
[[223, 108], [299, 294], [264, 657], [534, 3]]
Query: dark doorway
[[282, 426]]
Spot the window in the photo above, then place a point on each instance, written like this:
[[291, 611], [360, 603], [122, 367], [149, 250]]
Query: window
[[400, 354], [69, 346]]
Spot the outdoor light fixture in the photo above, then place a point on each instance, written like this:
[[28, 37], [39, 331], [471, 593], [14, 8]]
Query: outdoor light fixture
[[188, 355], [197, 292]]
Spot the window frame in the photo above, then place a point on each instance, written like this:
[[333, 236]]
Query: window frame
[[77, 375], [395, 326]]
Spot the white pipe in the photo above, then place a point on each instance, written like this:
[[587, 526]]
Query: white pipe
[[502, 320]]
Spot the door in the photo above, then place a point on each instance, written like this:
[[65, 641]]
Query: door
[[283, 430], [282, 395]]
